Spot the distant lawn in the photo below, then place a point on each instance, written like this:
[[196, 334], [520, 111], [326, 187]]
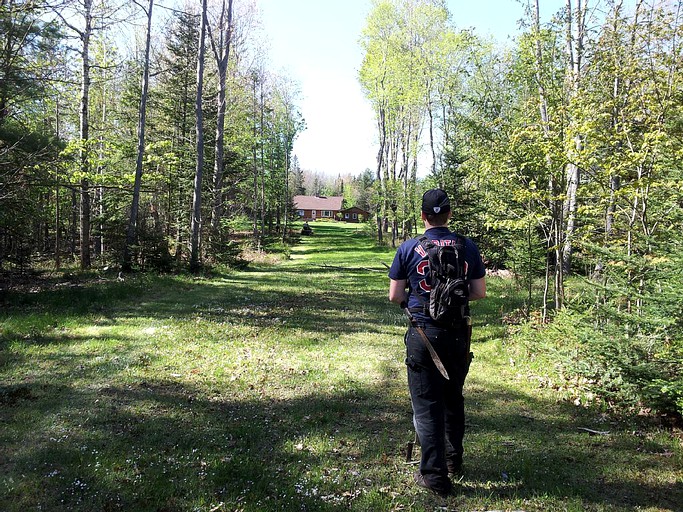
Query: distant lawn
[[282, 387]]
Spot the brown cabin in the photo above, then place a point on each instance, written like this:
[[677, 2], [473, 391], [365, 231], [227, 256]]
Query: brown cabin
[[313, 207], [354, 214]]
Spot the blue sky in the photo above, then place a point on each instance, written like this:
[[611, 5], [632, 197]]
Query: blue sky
[[316, 43]]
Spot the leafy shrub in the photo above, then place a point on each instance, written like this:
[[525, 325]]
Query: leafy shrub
[[602, 361]]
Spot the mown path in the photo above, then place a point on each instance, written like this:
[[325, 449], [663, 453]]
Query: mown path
[[283, 388]]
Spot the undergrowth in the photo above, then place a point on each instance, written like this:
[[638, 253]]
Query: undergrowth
[[605, 364]]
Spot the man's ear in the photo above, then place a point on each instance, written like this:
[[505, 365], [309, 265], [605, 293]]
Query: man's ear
[[423, 215]]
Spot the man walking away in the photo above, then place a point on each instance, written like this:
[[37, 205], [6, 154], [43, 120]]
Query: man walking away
[[437, 341]]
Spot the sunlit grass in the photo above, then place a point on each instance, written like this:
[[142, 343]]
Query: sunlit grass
[[282, 387]]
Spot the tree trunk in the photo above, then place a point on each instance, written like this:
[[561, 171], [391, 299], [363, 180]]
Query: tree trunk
[[389, 165], [542, 103], [573, 177], [196, 224], [431, 133], [132, 222], [381, 124], [73, 227], [262, 160], [257, 239], [84, 137], [221, 51], [286, 201], [99, 240], [575, 46], [58, 241], [546, 287], [559, 270], [555, 210]]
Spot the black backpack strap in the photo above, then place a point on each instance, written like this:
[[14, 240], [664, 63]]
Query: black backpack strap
[[425, 242], [459, 241]]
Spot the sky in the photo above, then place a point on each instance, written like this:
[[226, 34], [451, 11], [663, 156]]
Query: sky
[[315, 42]]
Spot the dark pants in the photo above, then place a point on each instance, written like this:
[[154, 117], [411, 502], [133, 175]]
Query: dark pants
[[438, 404]]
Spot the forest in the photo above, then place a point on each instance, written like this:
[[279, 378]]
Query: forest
[[562, 151]]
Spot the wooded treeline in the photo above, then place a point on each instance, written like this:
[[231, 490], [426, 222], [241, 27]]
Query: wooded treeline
[[141, 156], [563, 152]]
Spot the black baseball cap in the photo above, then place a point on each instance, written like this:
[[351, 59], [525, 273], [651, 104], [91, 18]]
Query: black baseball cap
[[435, 201]]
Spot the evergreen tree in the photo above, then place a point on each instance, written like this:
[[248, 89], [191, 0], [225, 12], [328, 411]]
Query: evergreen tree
[[174, 100], [297, 178], [29, 145]]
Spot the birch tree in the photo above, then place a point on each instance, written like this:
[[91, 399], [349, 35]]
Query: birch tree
[[220, 44], [575, 41], [553, 161], [405, 43], [196, 224], [132, 223], [83, 25], [377, 80]]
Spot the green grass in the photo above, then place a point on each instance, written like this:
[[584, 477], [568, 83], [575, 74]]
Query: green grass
[[283, 388]]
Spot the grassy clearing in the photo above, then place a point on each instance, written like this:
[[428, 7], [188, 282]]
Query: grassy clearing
[[283, 388]]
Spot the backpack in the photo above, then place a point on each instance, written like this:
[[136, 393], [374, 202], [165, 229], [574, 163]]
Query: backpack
[[449, 295]]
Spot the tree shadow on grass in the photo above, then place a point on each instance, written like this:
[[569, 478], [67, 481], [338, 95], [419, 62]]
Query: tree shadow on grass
[[497, 303], [524, 448], [167, 446], [263, 303], [57, 361], [241, 298]]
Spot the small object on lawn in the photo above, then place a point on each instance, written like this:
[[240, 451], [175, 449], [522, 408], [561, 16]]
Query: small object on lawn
[[592, 432], [409, 451], [306, 230]]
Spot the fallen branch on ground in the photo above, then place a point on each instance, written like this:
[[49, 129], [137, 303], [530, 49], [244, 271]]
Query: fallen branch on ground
[[594, 432], [353, 269]]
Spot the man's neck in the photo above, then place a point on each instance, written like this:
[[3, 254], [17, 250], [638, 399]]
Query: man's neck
[[430, 226]]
